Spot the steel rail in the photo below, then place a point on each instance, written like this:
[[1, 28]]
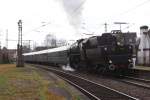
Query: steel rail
[[138, 79], [87, 92]]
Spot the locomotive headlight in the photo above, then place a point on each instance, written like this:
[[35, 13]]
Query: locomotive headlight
[[118, 43], [110, 61], [105, 49], [129, 60]]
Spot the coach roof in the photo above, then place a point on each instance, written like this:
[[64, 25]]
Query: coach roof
[[47, 51]]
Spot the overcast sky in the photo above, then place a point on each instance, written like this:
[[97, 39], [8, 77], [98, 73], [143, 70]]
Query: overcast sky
[[68, 19]]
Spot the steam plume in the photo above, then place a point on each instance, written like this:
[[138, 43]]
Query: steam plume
[[73, 9]]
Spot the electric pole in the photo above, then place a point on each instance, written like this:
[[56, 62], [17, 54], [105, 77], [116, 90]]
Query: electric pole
[[105, 27], [29, 44], [7, 38], [120, 23], [20, 62]]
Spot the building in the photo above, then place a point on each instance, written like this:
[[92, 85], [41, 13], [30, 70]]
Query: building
[[12, 54], [143, 54]]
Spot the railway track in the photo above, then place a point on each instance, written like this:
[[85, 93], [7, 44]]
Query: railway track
[[144, 83], [138, 79], [93, 90]]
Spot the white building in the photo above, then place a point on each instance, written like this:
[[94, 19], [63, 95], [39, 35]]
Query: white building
[[143, 57]]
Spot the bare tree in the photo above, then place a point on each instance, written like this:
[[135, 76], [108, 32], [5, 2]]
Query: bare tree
[[50, 41], [61, 42]]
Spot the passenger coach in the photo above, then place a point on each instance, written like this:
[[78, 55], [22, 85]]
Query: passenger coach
[[49, 56]]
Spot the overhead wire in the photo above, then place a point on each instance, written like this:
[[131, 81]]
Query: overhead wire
[[135, 7], [35, 29], [73, 12], [79, 7], [129, 10]]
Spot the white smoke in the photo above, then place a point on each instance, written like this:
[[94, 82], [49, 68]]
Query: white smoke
[[73, 9], [67, 68]]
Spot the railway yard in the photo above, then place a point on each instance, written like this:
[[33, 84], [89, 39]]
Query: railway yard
[[42, 82], [101, 67], [95, 68], [118, 88], [75, 50]]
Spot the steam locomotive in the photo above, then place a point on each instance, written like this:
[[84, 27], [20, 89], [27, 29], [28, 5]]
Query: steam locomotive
[[111, 51]]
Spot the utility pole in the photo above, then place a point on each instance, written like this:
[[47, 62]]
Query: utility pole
[[7, 38], [105, 27], [0, 43], [20, 62], [29, 44], [120, 23], [29, 41]]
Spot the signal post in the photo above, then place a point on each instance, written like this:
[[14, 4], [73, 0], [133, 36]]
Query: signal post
[[20, 61]]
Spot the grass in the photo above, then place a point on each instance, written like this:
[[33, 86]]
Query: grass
[[26, 83], [23, 84], [3, 81]]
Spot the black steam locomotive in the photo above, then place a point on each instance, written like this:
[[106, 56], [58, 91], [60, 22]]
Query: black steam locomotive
[[110, 51]]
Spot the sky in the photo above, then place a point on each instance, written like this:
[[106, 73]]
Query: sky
[[69, 19]]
